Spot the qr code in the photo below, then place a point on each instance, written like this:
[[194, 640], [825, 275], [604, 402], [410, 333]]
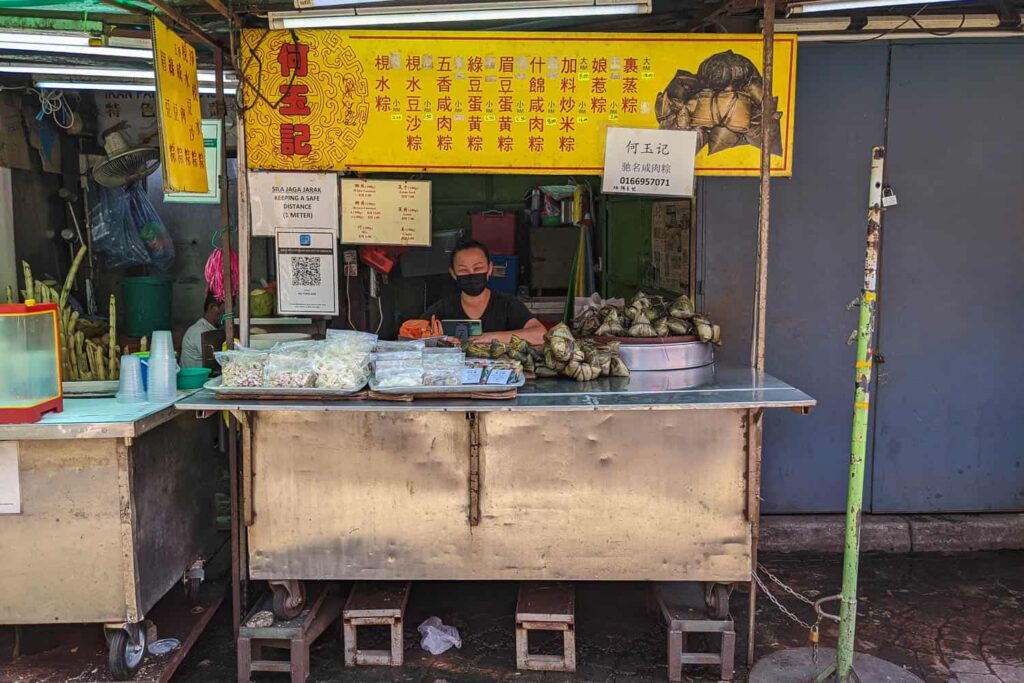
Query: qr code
[[306, 271]]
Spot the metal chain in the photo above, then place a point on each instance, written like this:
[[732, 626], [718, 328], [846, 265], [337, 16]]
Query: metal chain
[[779, 605], [776, 580]]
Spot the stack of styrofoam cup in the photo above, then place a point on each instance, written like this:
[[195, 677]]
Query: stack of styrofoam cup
[[163, 369], [129, 386]]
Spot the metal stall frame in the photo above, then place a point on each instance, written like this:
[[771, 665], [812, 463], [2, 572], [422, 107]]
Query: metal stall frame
[[757, 350]]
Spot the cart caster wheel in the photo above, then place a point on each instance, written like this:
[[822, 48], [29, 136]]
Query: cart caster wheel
[[716, 598], [287, 605], [125, 653], [192, 589]]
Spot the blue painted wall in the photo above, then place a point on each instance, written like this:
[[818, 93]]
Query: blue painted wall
[[949, 433], [949, 428]]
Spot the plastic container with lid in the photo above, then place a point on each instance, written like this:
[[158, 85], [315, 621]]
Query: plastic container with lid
[[30, 362]]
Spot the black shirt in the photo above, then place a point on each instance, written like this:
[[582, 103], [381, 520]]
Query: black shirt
[[503, 312]]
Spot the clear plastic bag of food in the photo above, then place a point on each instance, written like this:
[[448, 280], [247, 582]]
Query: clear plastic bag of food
[[292, 371], [398, 373], [304, 348], [241, 367], [343, 362], [443, 367], [384, 346], [443, 376], [354, 337], [411, 356]]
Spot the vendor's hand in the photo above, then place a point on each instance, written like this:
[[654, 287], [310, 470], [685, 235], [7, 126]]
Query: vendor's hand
[[486, 338]]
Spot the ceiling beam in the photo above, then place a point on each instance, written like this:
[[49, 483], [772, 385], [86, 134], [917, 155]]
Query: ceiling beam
[[711, 16], [219, 8]]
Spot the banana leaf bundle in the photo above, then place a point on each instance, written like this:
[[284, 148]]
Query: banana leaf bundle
[[581, 360]]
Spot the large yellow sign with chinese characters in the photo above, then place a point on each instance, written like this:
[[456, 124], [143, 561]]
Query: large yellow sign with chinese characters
[[499, 102], [182, 155]]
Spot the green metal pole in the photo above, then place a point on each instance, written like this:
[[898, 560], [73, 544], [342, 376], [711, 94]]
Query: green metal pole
[[861, 406]]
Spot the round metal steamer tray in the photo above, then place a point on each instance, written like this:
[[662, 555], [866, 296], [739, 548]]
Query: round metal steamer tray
[[671, 353]]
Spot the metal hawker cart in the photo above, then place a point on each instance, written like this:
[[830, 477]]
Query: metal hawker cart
[[615, 479], [117, 507]]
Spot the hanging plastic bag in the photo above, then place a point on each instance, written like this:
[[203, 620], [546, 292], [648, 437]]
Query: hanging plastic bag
[[149, 225], [114, 237], [437, 637]]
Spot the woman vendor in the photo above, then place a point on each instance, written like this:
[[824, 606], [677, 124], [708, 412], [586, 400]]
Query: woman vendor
[[501, 315]]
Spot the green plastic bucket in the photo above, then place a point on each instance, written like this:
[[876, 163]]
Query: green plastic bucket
[[147, 305]]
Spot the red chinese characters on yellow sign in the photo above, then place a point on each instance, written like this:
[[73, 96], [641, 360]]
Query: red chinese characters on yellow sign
[[181, 128], [496, 102]]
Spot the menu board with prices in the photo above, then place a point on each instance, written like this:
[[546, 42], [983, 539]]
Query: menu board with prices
[[385, 212], [507, 102]]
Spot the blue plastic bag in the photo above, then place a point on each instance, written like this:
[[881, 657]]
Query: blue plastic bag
[[114, 236]]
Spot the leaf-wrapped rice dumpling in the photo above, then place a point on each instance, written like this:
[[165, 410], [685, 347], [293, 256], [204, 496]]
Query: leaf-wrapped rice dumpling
[[681, 308]]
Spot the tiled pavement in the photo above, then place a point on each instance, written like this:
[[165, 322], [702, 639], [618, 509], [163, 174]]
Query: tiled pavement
[[947, 618]]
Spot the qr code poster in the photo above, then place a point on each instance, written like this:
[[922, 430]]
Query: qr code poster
[[307, 272]]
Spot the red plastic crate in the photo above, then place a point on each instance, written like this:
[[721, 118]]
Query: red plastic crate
[[496, 229]]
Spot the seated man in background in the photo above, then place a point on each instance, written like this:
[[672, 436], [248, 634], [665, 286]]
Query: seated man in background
[[192, 342]]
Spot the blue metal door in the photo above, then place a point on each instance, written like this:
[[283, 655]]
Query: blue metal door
[[816, 266], [949, 424]]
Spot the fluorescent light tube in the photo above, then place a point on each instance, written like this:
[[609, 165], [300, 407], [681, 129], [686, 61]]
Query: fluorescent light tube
[[83, 50], [906, 35], [131, 87], [432, 14], [308, 4], [50, 38], [816, 25], [943, 22], [838, 5], [100, 72]]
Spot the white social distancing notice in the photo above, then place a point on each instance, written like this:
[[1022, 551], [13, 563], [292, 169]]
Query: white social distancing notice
[[649, 162], [293, 200]]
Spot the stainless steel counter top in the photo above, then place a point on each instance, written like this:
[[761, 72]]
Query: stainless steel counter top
[[95, 418], [702, 388]]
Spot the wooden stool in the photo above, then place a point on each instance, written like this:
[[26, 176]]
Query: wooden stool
[[375, 604], [295, 635], [546, 607], [682, 607]]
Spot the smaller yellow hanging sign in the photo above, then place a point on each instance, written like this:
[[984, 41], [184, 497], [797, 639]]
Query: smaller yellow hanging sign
[[182, 155]]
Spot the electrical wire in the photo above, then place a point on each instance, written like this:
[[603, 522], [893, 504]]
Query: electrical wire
[[348, 303], [380, 314], [246, 84], [883, 34], [941, 34], [51, 103]]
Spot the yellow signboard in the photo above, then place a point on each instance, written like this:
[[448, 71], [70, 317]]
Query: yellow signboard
[[500, 102], [182, 155]]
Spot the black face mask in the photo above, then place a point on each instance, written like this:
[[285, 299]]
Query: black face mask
[[473, 284]]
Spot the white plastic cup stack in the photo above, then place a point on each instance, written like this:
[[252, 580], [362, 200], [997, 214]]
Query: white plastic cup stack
[[163, 369], [129, 387]]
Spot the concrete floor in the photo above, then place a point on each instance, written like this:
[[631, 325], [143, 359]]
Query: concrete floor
[[947, 618]]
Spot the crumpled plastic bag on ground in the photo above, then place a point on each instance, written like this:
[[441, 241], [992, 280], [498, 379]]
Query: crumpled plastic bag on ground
[[437, 637]]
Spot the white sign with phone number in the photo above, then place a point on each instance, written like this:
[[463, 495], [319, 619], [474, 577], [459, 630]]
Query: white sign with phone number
[[649, 162]]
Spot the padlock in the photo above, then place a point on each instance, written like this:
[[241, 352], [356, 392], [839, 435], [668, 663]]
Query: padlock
[[888, 197]]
